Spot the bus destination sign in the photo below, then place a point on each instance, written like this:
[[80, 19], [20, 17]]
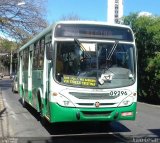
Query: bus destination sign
[[79, 81], [93, 31]]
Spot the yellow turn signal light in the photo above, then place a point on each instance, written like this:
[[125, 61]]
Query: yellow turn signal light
[[54, 93]]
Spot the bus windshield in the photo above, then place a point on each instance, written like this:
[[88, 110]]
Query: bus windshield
[[95, 65]]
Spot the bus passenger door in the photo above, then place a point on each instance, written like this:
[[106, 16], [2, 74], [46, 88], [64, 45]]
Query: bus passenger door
[[20, 84], [48, 89], [30, 77], [25, 73], [47, 68], [48, 85]]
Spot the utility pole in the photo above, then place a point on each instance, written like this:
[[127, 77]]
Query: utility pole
[[11, 60]]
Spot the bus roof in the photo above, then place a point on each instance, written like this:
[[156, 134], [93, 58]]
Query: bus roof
[[51, 27], [93, 23]]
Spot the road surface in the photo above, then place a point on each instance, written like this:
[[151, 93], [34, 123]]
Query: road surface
[[18, 124]]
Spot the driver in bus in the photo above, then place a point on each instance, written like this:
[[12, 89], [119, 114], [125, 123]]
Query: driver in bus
[[59, 67]]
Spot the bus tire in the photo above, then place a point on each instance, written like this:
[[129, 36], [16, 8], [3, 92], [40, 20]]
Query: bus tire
[[43, 121], [23, 102], [42, 118]]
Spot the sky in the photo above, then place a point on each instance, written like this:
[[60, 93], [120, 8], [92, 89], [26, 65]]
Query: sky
[[96, 9]]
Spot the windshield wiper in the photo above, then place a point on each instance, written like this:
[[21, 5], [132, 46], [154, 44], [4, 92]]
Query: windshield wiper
[[108, 58], [82, 47], [112, 50], [108, 77]]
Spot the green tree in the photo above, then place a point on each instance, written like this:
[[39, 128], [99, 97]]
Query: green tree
[[146, 29], [8, 47], [20, 22]]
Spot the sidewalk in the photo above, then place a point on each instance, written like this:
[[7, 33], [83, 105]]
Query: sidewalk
[[1, 103], [4, 132]]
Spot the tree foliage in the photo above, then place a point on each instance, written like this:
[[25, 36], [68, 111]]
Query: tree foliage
[[147, 32], [8, 46], [20, 22]]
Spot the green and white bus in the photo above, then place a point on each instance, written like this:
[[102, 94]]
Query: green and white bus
[[80, 71]]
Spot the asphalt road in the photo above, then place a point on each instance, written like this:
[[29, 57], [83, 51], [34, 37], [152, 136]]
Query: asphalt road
[[18, 124]]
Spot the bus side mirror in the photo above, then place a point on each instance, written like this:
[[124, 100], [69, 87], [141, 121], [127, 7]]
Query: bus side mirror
[[49, 52]]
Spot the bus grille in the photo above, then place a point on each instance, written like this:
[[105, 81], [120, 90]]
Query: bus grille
[[91, 104], [93, 113], [92, 96]]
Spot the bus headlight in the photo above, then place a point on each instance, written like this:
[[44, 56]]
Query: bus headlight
[[126, 102], [63, 101]]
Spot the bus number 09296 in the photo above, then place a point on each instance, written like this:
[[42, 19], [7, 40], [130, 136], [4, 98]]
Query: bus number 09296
[[117, 93]]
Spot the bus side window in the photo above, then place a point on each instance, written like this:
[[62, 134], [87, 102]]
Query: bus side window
[[25, 59], [35, 58], [41, 54]]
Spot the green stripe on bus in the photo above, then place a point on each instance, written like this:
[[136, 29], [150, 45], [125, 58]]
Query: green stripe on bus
[[69, 114]]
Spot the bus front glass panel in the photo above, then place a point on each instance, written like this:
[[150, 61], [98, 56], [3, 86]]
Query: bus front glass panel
[[95, 65]]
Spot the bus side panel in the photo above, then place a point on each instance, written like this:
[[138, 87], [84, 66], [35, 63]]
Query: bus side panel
[[37, 82]]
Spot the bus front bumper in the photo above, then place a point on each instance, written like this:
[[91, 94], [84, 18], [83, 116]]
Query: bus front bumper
[[66, 114]]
